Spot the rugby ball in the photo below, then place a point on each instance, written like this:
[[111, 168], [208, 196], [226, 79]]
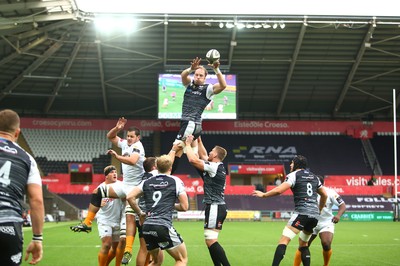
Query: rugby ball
[[212, 56]]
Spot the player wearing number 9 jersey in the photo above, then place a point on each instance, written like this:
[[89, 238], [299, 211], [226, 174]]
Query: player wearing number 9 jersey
[[160, 193], [305, 187]]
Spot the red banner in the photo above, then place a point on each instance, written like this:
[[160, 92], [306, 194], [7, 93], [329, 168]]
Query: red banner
[[60, 183], [363, 133], [364, 190], [319, 127], [360, 180]]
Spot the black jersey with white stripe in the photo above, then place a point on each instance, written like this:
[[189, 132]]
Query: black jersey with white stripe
[[304, 185], [160, 193], [141, 202], [195, 99], [17, 169], [214, 177]]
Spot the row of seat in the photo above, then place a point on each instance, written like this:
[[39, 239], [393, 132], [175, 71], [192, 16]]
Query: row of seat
[[67, 145]]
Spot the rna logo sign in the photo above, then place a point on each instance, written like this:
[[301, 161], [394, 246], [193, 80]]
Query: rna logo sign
[[274, 150], [264, 152]]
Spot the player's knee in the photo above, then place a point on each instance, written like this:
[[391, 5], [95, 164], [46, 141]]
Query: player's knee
[[305, 253], [326, 246]]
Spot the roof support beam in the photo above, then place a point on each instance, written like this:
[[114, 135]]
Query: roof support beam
[[64, 73], [24, 49], [165, 42], [291, 68], [15, 29], [130, 92], [101, 70], [46, 29], [232, 47], [353, 70], [39, 18], [33, 5], [49, 52]]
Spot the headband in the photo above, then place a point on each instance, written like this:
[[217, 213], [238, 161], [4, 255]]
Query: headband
[[108, 170]]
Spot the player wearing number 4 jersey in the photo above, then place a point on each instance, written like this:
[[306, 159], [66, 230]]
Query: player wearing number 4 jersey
[[19, 175], [160, 193], [305, 187]]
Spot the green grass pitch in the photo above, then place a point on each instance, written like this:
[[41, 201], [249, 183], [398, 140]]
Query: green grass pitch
[[246, 243]]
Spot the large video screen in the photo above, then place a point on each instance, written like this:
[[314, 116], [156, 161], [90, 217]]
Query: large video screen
[[171, 91]]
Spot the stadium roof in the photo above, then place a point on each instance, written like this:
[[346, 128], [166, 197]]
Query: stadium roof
[[54, 62]]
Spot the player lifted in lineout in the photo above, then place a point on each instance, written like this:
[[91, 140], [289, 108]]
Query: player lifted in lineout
[[197, 96]]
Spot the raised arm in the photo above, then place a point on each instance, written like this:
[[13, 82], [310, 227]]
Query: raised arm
[[201, 149], [185, 73], [112, 134], [221, 85], [192, 157]]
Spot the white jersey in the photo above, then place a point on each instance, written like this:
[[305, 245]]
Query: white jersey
[[333, 199], [132, 173], [110, 213]]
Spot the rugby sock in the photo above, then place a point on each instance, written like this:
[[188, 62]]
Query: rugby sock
[[218, 255], [102, 259], [305, 256], [89, 218], [279, 254], [129, 243], [327, 256], [297, 258]]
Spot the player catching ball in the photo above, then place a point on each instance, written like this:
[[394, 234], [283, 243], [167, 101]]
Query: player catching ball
[[198, 95]]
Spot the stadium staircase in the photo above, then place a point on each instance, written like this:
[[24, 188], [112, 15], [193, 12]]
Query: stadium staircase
[[372, 160], [54, 203]]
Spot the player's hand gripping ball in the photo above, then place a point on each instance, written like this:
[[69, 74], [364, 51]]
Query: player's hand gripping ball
[[212, 56]]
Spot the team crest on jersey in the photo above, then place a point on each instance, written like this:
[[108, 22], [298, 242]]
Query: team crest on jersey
[[9, 150]]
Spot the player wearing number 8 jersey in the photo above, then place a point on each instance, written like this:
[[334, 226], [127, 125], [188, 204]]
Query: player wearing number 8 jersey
[[305, 187], [160, 193], [326, 225]]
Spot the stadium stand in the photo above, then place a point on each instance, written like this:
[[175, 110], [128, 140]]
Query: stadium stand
[[67, 145], [55, 149], [384, 149]]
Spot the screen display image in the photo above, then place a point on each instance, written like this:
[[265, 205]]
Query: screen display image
[[171, 91]]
